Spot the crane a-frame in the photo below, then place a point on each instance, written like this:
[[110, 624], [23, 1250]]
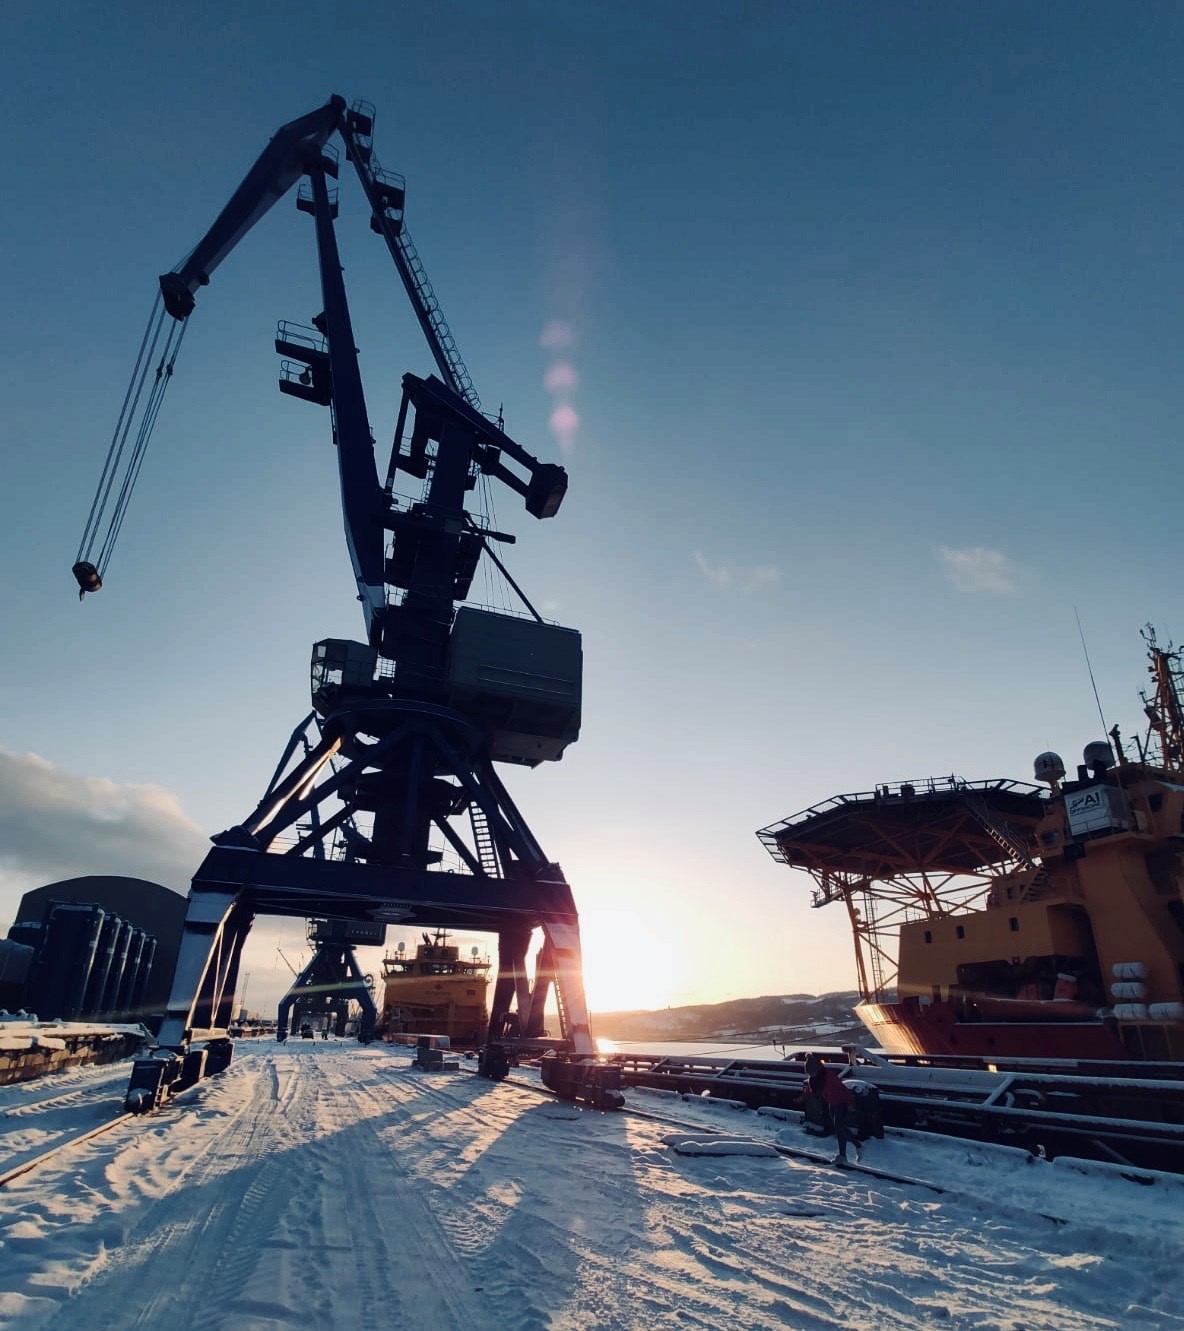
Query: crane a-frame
[[406, 726]]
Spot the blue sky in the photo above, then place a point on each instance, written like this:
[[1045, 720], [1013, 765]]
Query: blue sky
[[870, 326]]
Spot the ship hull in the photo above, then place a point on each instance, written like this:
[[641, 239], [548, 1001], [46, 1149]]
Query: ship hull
[[942, 1028]]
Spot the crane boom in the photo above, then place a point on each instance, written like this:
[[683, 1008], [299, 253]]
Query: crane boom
[[324, 369], [277, 169], [384, 192], [279, 166]]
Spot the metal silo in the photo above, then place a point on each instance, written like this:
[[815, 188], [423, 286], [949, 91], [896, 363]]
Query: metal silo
[[143, 973], [118, 962], [123, 995], [57, 987], [29, 932], [92, 1004]]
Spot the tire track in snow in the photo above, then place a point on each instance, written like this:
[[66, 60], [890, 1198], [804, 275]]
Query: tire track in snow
[[333, 1186], [206, 1224], [423, 1276], [181, 1188], [30, 1128], [797, 1269], [335, 1211]]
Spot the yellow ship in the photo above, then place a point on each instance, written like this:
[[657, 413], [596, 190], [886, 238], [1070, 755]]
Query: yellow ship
[[434, 992], [1027, 922]]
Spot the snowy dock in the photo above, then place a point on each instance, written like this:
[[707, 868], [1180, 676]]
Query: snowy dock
[[325, 1185]]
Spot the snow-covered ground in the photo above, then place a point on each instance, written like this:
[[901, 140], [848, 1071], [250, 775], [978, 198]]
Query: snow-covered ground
[[326, 1185]]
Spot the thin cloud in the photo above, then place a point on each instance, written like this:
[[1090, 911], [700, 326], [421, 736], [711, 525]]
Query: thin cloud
[[55, 824], [731, 576], [977, 569]]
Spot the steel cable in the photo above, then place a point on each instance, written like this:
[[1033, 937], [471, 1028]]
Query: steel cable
[[164, 373], [122, 427]]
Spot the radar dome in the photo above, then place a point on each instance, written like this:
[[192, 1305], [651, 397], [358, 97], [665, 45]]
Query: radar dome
[[1098, 756], [1049, 767]]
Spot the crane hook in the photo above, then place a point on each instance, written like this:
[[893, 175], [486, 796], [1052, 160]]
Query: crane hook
[[88, 578]]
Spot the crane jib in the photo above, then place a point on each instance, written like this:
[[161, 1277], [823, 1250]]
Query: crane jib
[[287, 158], [409, 599]]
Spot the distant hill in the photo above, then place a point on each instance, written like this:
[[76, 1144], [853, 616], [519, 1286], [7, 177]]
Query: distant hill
[[784, 1019]]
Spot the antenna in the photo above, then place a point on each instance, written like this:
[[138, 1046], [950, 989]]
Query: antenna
[[1089, 667]]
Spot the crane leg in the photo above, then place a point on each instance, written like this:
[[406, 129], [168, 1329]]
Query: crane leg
[[426, 766]]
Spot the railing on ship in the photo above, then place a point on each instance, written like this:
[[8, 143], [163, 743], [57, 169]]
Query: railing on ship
[[892, 791]]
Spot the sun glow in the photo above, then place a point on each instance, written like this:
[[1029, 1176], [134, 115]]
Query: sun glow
[[628, 960]]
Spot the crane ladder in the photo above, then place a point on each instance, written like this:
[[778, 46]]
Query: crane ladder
[[483, 840], [1001, 833]]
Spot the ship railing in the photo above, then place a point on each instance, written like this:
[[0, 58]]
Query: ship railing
[[903, 790], [896, 791]]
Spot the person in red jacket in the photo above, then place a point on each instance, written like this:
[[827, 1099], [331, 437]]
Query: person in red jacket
[[825, 1083]]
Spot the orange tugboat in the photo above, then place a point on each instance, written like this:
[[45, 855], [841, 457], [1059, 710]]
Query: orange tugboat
[[998, 918], [434, 992]]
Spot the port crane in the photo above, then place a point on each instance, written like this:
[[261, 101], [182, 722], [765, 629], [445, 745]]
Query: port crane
[[332, 980], [398, 753]]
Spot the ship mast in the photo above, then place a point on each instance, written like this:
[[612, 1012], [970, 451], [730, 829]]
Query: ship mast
[[1165, 707]]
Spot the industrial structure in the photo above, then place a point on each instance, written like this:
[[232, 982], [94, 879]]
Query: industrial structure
[[325, 989], [394, 766], [96, 948]]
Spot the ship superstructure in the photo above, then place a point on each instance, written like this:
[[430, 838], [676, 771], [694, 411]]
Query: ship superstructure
[[999, 917], [434, 991]]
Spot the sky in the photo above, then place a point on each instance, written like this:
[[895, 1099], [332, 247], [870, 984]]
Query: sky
[[285, 1192], [855, 326]]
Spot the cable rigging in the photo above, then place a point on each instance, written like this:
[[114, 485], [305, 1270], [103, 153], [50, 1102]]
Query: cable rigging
[[121, 467]]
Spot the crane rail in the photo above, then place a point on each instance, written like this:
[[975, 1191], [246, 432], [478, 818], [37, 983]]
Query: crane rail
[[1089, 1133], [31, 1105], [28, 1165], [519, 1084], [98, 1092], [1129, 1120], [789, 1152]]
